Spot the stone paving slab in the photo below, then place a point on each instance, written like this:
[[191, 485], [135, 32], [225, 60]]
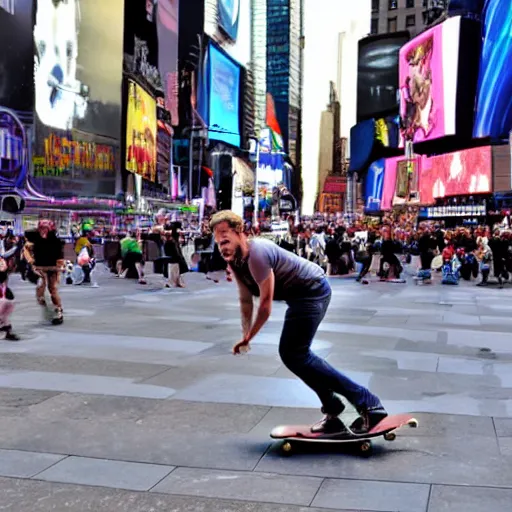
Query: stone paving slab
[[75, 383], [131, 476], [239, 485], [448, 460], [503, 427], [133, 442], [20, 464], [469, 499], [372, 496], [39, 496], [81, 365]]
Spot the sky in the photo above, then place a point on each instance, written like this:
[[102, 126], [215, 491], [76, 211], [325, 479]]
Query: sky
[[324, 21]]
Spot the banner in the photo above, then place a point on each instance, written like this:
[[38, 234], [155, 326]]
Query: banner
[[141, 132]]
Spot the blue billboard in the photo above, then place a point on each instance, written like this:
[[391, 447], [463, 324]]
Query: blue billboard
[[374, 185], [229, 14], [219, 96], [494, 97]]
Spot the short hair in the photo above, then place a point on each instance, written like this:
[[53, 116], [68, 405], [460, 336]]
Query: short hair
[[233, 220]]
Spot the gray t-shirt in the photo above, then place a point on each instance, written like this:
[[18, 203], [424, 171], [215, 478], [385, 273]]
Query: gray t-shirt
[[294, 276]]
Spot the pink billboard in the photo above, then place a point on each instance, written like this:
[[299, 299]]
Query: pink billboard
[[388, 190], [428, 69], [460, 173]]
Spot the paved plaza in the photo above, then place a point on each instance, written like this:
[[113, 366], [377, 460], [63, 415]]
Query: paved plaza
[[136, 404]]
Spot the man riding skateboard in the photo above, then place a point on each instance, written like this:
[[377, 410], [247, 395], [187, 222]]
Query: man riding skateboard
[[262, 269]]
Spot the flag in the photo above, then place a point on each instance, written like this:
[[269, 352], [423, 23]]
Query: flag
[[273, 125]]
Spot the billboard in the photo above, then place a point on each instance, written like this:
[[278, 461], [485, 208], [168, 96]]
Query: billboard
[[494, 97], [389, 186], [374, 185], [141, 126], [167, 25], [77, 76], [459, 173], [377, 74], [428, 76], [229, 14], [17, 55], [219, 96]]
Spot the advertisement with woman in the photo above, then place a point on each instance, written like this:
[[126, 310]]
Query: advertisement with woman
[[428, 75], [141, 126]]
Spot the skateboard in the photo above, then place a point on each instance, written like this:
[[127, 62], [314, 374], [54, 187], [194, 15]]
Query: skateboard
[[302, 434]]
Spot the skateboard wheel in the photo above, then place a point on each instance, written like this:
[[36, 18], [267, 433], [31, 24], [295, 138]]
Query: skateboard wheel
[[390, 436], [366, 448], [286, 448], [413, 423]]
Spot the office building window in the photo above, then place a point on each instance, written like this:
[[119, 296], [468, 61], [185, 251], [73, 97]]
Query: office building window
[[392, 24], [392, 5], [410, 20], [375, 26], [375, 6], [409, 4]]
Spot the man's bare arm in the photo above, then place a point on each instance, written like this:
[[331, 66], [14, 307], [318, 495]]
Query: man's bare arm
[[265, 306], [246, 306]]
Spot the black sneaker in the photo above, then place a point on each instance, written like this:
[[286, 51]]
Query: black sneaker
[[329, 425], [368, 419], [10, 336]]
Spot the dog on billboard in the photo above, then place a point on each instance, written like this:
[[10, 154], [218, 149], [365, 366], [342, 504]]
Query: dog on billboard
[[60, 97]]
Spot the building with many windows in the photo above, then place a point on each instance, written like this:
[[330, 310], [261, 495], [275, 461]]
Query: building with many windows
[[398, 15]]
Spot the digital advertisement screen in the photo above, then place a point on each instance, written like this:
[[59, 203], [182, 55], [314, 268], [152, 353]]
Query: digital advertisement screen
[[428, 72], [224, 97], [494, 97], [377, 78], [374, 185], [229, 14], [78, 65], [141, 126], [167, 23], [388, 189], [459, 173], [16, 55]]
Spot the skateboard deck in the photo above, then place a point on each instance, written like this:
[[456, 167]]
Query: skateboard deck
[[302, 433]]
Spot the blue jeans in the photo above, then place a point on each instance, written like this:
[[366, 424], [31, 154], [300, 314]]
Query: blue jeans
[[302, 319]]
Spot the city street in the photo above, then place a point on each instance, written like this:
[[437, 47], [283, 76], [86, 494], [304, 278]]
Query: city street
[[136, 404]]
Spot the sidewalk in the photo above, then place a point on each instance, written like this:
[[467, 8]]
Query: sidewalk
[[136, 404]]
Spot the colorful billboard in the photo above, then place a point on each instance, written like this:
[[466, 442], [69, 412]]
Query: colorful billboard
[[17, 55], [494, 98], [374, 185], [141, 126], [219, 96], [389, 187], [428, 76], [459, 173]]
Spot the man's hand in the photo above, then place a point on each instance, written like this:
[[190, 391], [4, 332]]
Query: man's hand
[[241, 347]]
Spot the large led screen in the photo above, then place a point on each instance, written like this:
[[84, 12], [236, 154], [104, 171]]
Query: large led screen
[[428, 72], [377, 76], [229, 14], [494, 99], [16, 55], [141, 126], [459, 173], [78, 65], [219, 97]]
